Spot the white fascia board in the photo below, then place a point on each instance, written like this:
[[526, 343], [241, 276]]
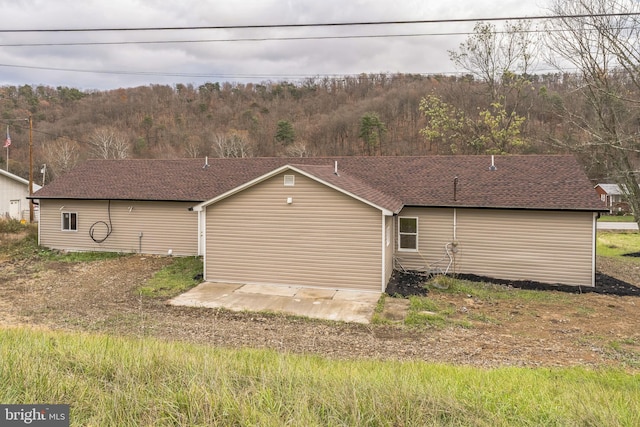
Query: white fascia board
[[17, 178]]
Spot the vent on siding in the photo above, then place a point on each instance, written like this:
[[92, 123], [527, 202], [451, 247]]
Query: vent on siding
[[289, 180]]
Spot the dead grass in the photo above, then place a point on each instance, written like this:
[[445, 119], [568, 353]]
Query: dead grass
[[484, 326]]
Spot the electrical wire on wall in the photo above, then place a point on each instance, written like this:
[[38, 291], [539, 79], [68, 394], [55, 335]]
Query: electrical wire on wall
[[109, 226]]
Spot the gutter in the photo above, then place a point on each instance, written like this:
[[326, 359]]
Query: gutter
[[511, 208], [35, 196]]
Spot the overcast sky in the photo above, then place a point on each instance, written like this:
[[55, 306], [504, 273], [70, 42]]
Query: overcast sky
[[212, 56]]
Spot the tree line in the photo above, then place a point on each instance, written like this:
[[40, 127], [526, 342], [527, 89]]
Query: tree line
[[379, 114], [496, 104]]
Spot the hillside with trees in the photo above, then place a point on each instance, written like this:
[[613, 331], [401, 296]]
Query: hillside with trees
[[365, 115], [497, 105]]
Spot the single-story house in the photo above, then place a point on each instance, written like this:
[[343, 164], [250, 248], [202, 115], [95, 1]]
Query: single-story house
[[14, 191], [342, 222], [613, 198]]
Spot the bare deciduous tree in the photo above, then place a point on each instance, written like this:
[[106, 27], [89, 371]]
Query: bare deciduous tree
[[192, 147], [234, 143], [63, 155], [601, 38], [108, 143], [495, 57], [298, 149]]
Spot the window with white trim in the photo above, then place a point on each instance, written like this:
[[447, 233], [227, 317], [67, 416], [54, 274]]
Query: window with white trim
[[69, 221], [407, 234]]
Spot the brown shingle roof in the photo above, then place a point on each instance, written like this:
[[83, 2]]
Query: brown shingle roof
[[353, 185], [520, 182]]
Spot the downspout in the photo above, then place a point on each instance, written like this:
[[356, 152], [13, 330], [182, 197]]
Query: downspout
[[455, 225], [40, 226], [593, 249], [200, 236], [454, 243], [384, 251], [203, 223]]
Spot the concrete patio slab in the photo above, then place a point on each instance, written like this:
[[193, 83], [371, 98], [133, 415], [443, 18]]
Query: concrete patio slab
[[315, 293], [207, 295], [338, 305], [283, 291], [369, 297]]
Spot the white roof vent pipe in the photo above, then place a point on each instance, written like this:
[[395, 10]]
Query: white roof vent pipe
[[493, 164], [206, 162], [335, 168]]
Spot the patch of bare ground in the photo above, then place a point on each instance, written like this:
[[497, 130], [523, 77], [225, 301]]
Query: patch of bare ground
[[100, 296]]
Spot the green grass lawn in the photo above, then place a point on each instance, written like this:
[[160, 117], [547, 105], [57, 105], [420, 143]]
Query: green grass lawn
[[424, 311], [112, 381], [176, 278], [27, 247], [615, 244], [616, 218]]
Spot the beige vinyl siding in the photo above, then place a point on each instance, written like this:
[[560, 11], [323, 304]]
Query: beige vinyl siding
[[544, 246], [435, 229], [322, 239], [549, 247], [164, 226]]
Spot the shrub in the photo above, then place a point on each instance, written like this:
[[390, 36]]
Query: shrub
[[12, 226]]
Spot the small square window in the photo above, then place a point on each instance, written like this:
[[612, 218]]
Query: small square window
[[408, 234], [289, 180], [69, 221]]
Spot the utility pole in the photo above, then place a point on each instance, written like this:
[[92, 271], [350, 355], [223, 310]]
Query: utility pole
[[30, 168]]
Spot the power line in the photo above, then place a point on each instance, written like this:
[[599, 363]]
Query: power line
[[261, 39], [150, 73], [324, 24], [265, 39], [244, 39]]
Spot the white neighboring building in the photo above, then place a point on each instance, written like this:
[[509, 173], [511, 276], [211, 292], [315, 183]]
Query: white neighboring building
[[13, 196]]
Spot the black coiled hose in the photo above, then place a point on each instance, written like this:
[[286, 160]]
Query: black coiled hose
[[109, 227]]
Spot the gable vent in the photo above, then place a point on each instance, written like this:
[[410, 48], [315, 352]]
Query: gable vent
[[289, 180]]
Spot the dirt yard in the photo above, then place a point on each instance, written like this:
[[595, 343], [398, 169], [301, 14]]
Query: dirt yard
[[569, 329]]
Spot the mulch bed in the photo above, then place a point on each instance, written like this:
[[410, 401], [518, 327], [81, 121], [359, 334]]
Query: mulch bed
[[413, 283]]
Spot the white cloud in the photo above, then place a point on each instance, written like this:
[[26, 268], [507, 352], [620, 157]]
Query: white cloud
[[266, 58]]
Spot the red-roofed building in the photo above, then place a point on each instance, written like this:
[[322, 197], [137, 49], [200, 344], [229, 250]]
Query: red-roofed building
[[340, 222]]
